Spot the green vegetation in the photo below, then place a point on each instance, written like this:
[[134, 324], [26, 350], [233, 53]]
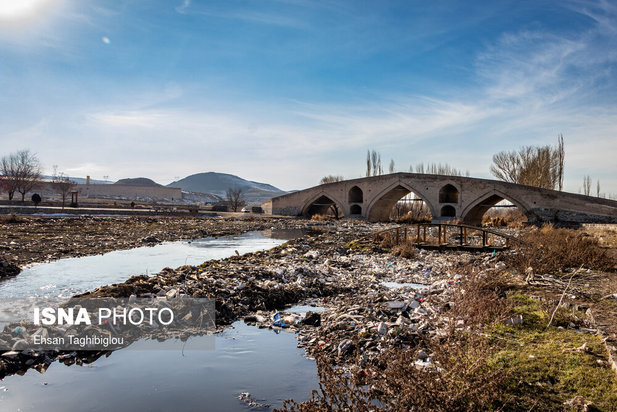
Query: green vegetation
[[551, 366], [494, 365]]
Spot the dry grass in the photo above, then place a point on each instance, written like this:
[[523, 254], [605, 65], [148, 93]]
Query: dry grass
[[322, 217], [511, 218], [461, 377], [550, 250], [606, 234], [401, 248], [487, 365], [405, 250], [483, 298], [414, 218]]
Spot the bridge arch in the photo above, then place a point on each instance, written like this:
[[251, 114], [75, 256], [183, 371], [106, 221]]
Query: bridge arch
[[473, 213], [355, 195], [448, 194], [380, 207], [355, 210], [322, 204], [447, 211]]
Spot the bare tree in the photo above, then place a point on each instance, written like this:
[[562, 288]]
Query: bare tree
[[411, 208], [540, 166], [63, 185], [439, 169], [373, 163], [375, 166], [598, 188], [391, 168], [3, 183], [8, 166], [560, 156], [331, 179], [235, 198], [29, 172], [21, 172], [587, 185]]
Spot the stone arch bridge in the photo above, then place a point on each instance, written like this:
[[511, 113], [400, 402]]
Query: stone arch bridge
[[447, 197]]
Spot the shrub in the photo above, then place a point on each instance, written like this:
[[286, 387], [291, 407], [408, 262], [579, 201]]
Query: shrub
[[511, 218], [405, 250], [550, 250]]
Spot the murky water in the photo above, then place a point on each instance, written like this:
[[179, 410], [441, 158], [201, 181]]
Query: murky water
[[66, 277], [246, 359], [262, 362]]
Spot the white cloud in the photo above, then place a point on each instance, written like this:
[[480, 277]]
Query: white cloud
[[183, 7], [533, 85]]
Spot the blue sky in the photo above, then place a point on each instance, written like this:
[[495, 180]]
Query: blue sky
[[287, 91]]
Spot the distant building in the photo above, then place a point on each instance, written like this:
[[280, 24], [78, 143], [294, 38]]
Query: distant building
[[129, 192]]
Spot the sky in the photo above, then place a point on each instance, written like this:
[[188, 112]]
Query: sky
[[288, 91]]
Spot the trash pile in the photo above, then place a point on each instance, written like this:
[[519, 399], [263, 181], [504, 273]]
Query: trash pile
[[362, 316]]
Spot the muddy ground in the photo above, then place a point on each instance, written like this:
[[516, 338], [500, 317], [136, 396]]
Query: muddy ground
[[26, 240]]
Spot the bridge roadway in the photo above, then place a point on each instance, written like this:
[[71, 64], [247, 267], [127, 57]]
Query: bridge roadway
[[447, 197]]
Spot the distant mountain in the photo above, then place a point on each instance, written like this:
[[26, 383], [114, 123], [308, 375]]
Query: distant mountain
[[138, 181], [218, 183]]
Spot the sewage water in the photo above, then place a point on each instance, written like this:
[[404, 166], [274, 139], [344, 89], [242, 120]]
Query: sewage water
[[245, 358]]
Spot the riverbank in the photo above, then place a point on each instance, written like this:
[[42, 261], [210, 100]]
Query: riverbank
[[489, 326], [26, 239]]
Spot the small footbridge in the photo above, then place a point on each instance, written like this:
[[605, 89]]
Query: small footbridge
[[446, 236]]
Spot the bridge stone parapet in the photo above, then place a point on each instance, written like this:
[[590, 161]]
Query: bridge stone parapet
[[447, 197]]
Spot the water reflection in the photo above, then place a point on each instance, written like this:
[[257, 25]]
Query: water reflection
[[246, 359], [67, 277]]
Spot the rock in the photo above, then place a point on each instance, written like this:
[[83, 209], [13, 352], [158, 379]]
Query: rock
[[248, 399], [312, 319], [382, 328], [500, 266], [10, 354], [396, 305], [421, 355], [578, 401], [344, 347], [517, 320], [172, 293], [8, 269]]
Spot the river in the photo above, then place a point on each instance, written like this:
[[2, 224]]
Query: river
[[263, 362]]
